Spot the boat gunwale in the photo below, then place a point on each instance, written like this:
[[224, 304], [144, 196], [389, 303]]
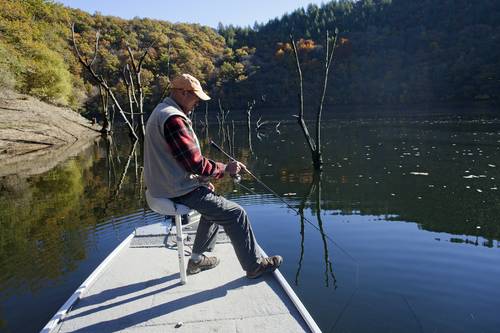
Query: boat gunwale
[[66, 307]]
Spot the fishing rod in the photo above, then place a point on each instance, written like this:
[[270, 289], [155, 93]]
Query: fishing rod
[[255, 178], [279, 197]]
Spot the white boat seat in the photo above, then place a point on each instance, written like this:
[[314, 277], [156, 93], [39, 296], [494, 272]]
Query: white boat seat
[[165, 206]]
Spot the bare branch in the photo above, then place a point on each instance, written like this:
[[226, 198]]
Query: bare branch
[[97, 35], [300, 118], [132, 58], [328, 61], [145, 53], [75, 46], [100, 80], [124, 75]]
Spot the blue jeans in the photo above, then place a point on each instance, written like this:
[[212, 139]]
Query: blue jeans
[[217, 211]]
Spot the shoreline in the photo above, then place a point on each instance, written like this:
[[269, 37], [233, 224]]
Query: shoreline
[[35, 136]]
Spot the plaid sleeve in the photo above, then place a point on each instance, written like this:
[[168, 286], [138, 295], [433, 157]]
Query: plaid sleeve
[[185, 150]]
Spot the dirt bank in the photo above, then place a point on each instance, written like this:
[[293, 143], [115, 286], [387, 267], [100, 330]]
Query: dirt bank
[[35, 136]]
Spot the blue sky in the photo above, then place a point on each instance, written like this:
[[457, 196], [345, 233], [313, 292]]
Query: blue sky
[[205, 12]]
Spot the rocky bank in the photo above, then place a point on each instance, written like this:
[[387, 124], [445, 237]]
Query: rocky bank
[[36, 136]]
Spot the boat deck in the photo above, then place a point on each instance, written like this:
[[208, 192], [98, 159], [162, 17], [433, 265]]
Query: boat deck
[[139, 291]]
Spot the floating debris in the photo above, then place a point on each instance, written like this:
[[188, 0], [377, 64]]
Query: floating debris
[[492, 165], [416, 173], [474, 176], [479, 190], [289, 194]]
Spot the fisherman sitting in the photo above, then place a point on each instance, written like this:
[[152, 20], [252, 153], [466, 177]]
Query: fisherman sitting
[[175, 168]]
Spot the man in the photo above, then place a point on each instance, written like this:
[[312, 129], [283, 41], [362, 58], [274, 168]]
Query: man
[[174, 168]]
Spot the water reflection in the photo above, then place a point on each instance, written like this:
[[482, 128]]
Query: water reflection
[[315, 187], [408, 200]]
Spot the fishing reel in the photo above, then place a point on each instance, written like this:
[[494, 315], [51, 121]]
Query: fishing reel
[[236, 178]]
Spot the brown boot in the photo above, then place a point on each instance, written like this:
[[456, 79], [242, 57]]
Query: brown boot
[[266, 265], [202, 265]]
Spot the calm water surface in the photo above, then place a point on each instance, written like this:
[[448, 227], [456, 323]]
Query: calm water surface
[[400, 233]]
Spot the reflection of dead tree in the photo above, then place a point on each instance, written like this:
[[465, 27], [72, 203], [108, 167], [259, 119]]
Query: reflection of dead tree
[[302, 235], [315, 186], [328, 262], [250, 106], [110, 161], [232, 138], [259, 128], [206, 117], [228, 138], [314, 145], [125, 170], [99, 79], [107, 123], [113, 115], [259, 125], [136, 164]]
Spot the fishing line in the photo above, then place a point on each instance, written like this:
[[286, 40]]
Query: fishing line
[[356, 274], [283, 200]]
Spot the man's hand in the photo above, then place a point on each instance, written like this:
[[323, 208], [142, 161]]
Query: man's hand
[[211, 187], [234, 167]]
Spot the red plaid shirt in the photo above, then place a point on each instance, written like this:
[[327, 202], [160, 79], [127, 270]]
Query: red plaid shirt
[[185, 150]]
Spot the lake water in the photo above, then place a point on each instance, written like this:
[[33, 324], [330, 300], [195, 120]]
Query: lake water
[[400, 233]]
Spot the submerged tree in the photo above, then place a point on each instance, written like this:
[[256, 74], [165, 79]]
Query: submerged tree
[[315, 144]]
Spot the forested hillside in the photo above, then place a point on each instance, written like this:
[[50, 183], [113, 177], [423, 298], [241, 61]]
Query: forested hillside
[[390, 52], [36, 55]]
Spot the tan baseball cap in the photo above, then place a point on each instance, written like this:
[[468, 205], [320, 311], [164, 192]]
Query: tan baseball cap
[[189, 83]]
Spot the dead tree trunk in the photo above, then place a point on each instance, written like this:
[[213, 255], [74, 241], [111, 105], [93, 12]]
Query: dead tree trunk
[[99, 79], [221, 117], [314, 145], [106, 125], [137, 67], [129, 84]]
